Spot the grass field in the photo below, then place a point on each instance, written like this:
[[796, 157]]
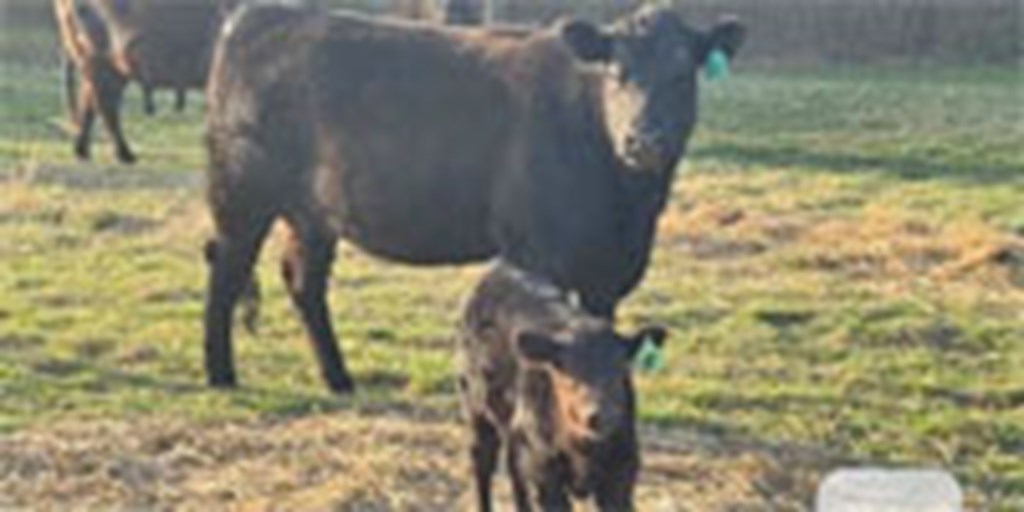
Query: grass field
[[842, 268]]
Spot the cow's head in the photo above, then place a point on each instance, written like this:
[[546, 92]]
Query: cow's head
[[650, 95], [590, 377]]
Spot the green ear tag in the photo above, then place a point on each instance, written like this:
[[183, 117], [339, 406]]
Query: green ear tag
[[717, 66], [650, 358]]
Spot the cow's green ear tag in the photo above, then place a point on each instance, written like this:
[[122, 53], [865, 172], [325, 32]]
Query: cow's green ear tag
[[717, 66], [650, 358]]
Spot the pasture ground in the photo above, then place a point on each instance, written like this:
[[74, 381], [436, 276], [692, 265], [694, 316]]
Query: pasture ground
[[842, 269]]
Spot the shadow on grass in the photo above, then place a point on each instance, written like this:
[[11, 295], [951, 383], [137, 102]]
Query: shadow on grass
[[379, 393], [909, 168], [90, 177]]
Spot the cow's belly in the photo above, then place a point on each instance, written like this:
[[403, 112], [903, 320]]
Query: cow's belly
[[410, 220], [419, 241]]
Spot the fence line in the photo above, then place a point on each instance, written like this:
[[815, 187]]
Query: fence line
[[783, 32]]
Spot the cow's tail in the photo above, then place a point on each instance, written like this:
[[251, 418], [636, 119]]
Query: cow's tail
[[250, 302]]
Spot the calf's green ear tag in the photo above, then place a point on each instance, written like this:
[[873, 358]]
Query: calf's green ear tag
[[717, 66], [650, 358]]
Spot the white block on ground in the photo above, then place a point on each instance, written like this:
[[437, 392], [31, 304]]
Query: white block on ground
[[889, 490]]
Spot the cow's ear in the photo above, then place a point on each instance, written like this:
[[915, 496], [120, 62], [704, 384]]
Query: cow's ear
[[538, 348], [727, 35], [587, 41]]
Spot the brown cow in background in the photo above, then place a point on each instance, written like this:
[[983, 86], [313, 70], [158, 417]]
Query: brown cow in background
[[157, 43]]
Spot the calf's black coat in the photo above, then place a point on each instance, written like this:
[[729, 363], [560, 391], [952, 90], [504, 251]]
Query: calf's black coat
[[552, 384]]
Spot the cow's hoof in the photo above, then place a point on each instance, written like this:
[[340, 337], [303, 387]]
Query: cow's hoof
[[342, 387], [222, 382], [125, 156], [81, 152]]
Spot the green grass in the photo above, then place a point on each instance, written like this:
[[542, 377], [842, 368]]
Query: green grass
[[841, 266]]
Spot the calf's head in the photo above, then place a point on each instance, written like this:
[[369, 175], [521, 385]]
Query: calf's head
[[652, 59], [590, 377]]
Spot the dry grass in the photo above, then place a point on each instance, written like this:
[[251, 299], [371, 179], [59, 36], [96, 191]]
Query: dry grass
[[347, 461]]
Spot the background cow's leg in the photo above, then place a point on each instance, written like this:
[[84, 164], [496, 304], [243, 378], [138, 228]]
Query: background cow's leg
[[86, 115], [306, 267], [180, 99], [484, 449], [231, 256], [148, 103], [109, 92]]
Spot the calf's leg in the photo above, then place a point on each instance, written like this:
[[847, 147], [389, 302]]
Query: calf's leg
[[520, 491], [305, 268], [484, 449], [552, 497], [615, 497]]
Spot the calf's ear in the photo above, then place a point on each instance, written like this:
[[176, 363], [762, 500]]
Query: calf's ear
[[727, 35], [654, 335], [538, 348], [587, 41]]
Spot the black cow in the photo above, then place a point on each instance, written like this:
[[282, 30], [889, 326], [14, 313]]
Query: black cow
[[426, 144]]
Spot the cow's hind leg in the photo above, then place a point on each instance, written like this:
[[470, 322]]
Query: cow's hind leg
[[231, 256], [305, 268]]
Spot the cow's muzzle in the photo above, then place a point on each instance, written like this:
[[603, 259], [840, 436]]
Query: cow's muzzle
[[647, 152]]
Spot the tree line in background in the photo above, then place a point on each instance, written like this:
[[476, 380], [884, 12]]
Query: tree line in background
[[782, 32]]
